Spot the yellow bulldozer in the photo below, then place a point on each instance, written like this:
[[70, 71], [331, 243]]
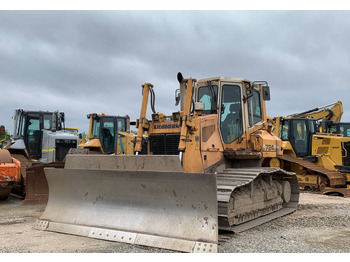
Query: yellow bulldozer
[[109, 134], [202, 173], [312, 151]]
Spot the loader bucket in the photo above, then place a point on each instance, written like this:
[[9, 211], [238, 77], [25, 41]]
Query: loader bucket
[[144, 200]]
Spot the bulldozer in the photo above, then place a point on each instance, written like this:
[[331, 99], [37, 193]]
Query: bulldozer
[[202, 173], [109, 134], [38, 142], [10, 168], [317, 155]]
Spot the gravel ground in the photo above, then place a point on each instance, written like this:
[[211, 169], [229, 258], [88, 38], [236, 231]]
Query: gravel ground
[[321, 224]]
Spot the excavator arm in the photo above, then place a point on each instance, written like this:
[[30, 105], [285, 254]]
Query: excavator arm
[[331, 112]]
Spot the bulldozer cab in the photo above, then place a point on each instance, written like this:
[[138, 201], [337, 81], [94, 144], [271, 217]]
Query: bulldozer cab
[[29, 126], [299, 131], [237, 102], [106, 129]]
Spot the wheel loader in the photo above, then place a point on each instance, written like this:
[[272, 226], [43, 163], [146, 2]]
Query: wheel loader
[[109, 134], [318, 157], [202, 173], [10, 168], [38, 142]]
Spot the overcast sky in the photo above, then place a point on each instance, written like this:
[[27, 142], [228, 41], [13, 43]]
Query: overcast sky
[[83, 62]]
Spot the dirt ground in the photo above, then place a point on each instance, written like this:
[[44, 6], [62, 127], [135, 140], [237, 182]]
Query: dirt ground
[[321, 224]]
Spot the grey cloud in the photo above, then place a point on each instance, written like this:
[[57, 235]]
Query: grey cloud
[[96, 61]]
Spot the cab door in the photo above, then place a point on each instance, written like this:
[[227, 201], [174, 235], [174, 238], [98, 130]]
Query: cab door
[[300, 136], [33, 135], [231, 115], [108, 134]]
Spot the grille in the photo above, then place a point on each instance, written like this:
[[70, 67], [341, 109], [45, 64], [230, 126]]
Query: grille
[[62, 148], [346, 152], [166, 144]]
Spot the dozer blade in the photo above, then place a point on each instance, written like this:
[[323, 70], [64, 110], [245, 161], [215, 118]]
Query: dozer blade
[[133, 199], [36, 187]]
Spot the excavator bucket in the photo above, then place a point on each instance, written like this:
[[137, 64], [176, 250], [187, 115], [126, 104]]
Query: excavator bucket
[[144, 200]]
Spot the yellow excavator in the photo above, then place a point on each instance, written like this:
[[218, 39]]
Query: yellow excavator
[[311, 151], [202, 173], [109, 134]]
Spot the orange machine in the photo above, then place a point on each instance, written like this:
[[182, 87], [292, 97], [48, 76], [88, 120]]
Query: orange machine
[[10, 172]]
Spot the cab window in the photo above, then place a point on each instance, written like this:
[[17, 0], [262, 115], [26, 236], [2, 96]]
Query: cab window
[[231, 113], [208, 95], [121, 125], [96, 128], [284, 130], [254, 108], [47, 121]]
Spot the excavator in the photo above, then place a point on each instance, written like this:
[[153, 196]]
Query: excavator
[[109, 134], [315, 154], [202, 173], [10, 168], [38, 142]]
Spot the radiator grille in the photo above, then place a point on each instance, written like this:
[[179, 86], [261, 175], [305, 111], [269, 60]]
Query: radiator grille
[[62, 148], [165, 144]]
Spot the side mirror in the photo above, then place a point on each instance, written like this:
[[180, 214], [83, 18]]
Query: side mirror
[[62, 117], [177, 97], [80, 136], [266, 93]]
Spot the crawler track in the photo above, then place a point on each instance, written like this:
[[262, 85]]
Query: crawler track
[[252, 196], [335, 179]]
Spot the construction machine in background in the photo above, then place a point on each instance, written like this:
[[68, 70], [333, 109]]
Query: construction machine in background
[[74, 131], [202, 173], [3, 136], [316, 156], [10, 168], [109, 134], [334, 127], [38, 142]]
